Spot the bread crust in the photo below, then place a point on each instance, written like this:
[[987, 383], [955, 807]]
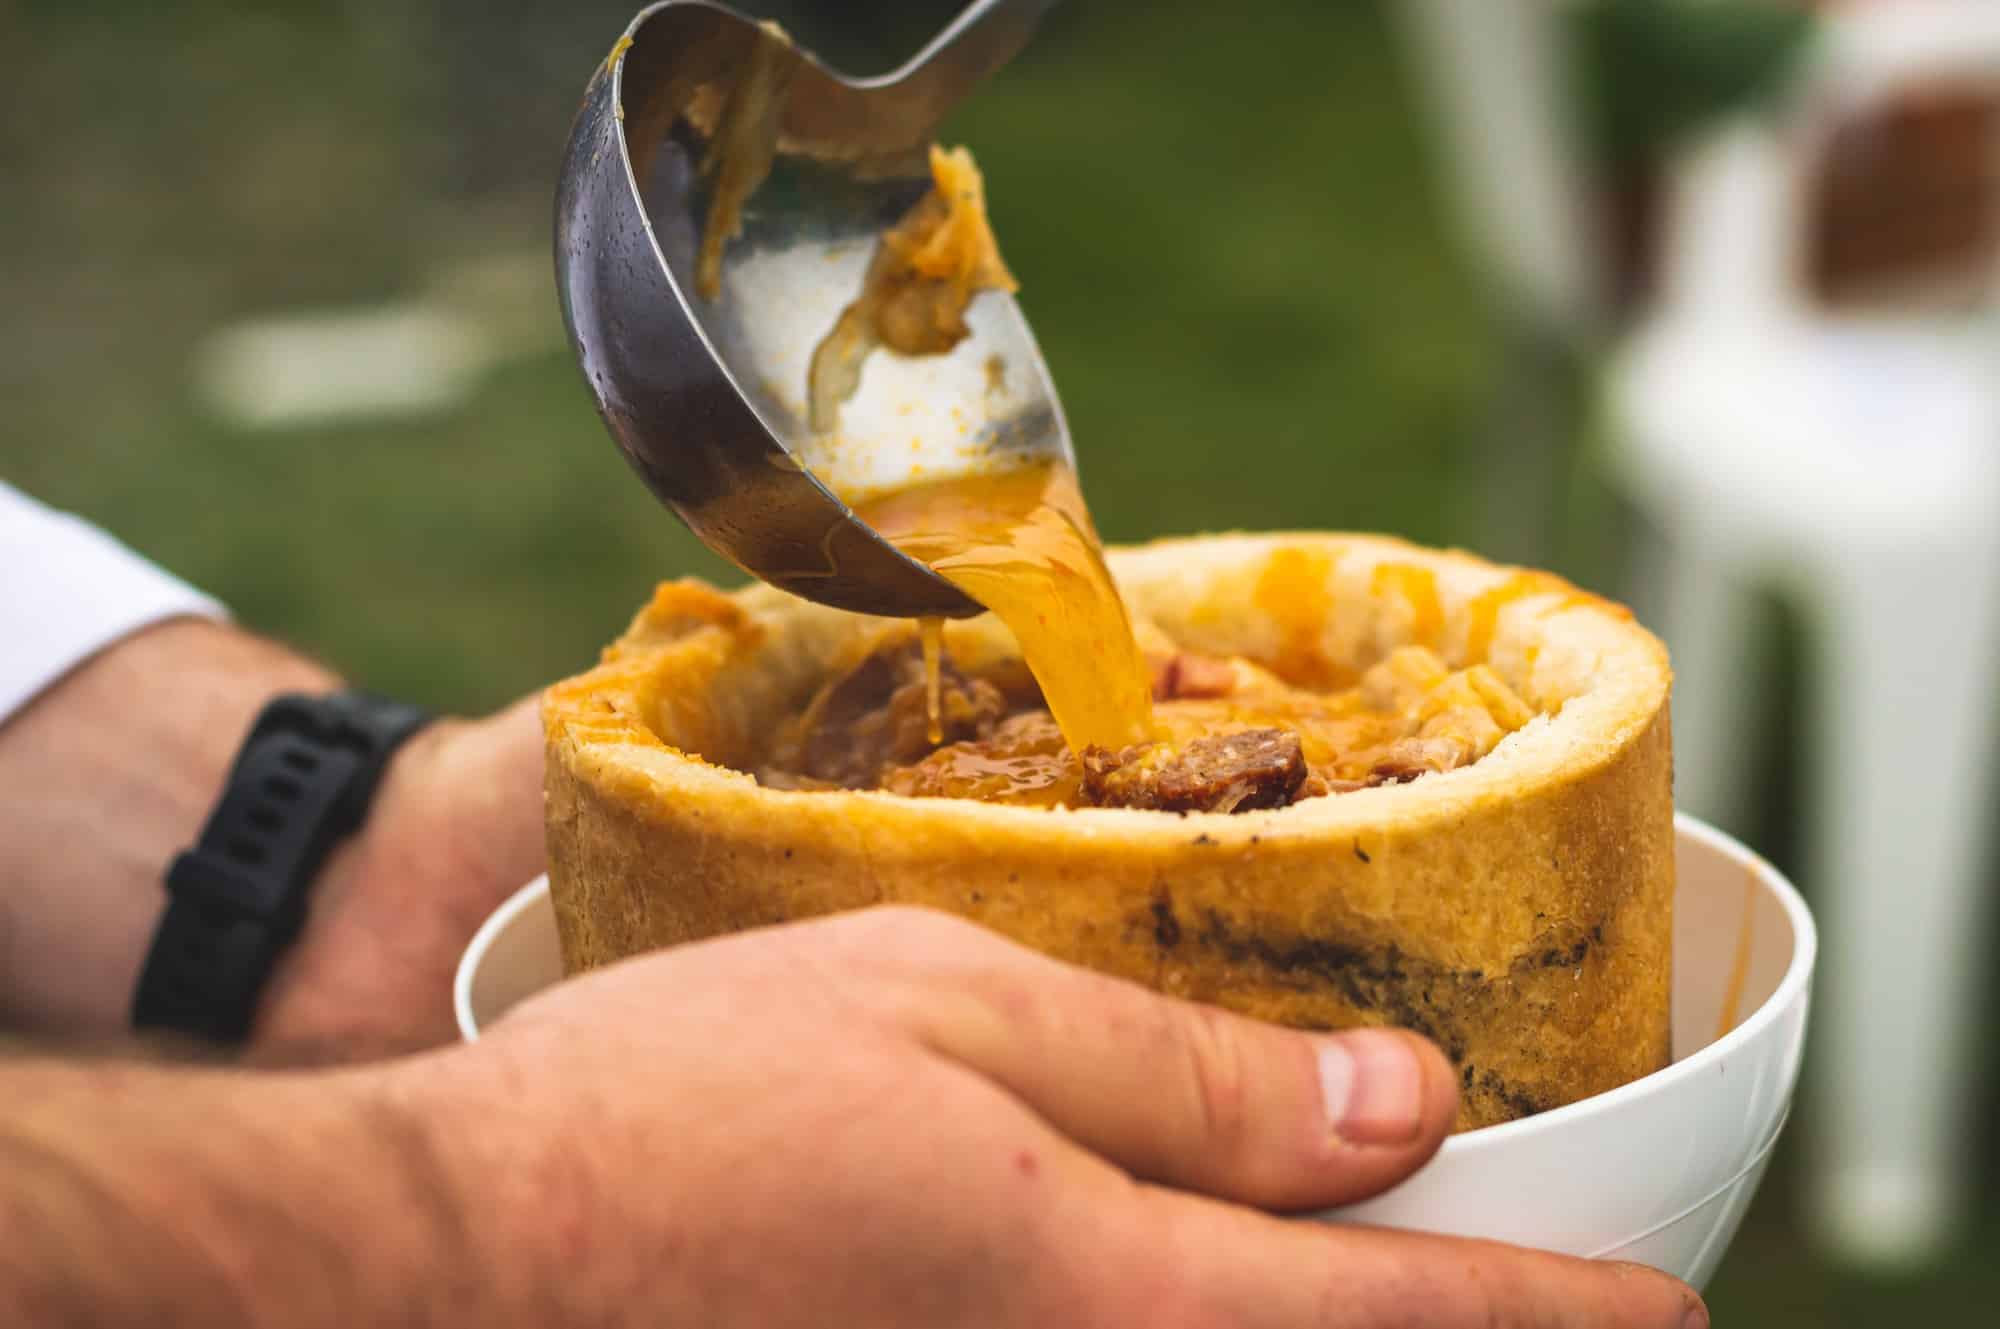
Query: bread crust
[[1518, 911]]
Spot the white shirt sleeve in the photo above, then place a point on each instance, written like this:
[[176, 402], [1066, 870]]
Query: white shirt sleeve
[[68, 590]]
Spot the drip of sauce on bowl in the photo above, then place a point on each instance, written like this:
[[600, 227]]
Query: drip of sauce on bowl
[[1739, 968]]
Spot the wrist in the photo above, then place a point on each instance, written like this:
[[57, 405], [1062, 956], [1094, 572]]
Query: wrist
[[103, 779], [301, 785], [453, 828], [306, 1015]]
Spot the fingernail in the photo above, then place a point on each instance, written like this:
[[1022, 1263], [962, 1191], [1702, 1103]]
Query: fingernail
[[1372, 1084], [1696, 1317]]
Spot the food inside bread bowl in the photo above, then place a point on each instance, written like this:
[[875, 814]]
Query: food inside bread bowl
[[1376, 784]]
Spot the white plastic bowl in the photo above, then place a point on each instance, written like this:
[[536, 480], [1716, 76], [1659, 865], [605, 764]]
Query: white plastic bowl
[[1659, 1171]]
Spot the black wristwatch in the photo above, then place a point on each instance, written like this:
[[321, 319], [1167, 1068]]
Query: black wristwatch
[[301, 783]]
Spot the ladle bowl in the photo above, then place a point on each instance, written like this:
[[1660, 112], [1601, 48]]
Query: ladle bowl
[[704, 389]]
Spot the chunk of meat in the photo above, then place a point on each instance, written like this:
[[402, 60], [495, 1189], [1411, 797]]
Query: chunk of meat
[[1253, 768], [876, 716], [1023, 762], [1187, 676], [1457, 722], [1407, 758], [1232, 736]]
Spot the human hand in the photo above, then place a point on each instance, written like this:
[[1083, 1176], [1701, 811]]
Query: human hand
[[895, 1118]]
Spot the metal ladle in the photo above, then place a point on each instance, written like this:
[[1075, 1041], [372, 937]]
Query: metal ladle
[[706, 397]]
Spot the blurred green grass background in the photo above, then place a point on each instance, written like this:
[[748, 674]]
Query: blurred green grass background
[[1243, 290], [1227, 222]]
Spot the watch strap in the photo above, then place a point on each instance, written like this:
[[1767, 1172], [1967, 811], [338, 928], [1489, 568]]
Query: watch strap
[[301, 783]]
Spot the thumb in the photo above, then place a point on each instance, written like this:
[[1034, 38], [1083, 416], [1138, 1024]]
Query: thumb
[[1176, 1093]]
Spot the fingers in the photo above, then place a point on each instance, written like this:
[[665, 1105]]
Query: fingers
[[1180, 1259], [1173, 1092]]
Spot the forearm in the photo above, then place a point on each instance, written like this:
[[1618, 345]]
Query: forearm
[[142, 1195], [103, 779]]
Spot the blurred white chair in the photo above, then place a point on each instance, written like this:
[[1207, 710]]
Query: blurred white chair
[[1494, 79], [1853, 459], [1495, 75]]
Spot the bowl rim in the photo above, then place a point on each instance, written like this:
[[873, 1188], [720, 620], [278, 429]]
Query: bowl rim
[[1583, 732], [1791, 989], [482, 941]]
